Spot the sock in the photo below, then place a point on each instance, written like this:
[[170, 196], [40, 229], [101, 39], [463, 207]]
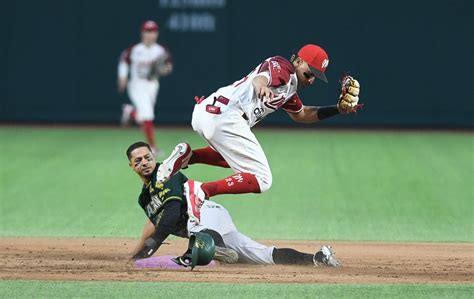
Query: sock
[[148, 129], [235, 184], [208, 156], [288, 256]]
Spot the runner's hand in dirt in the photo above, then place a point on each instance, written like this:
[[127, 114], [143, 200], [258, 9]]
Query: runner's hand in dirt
[[148, 250]]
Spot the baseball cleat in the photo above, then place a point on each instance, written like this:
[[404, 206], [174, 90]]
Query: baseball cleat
[[178, 159], [195, 198], [325, 256], [226, 255], [126, 111]]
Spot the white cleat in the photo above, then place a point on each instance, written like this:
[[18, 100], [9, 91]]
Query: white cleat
[[127, 109], [326, 257], [178, 159]]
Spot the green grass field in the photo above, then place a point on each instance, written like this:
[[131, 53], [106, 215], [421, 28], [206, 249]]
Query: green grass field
[[331, 185], [42, 289]]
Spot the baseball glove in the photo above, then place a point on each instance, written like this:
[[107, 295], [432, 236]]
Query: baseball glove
[[184, 260], [349, 98], [155, 69], [159, 68]]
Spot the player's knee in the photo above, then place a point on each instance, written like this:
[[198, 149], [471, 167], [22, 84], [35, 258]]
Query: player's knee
[[207, 132], [265, 181]]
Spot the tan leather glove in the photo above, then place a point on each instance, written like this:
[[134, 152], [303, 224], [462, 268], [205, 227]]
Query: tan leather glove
[[349, 98]]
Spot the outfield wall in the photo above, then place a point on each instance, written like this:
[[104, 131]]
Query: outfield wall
[[413, 58]]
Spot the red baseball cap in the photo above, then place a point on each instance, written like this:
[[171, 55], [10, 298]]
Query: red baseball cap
[[316, 58], [149, 26]]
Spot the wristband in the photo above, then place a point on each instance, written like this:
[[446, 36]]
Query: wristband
[[327, 111]]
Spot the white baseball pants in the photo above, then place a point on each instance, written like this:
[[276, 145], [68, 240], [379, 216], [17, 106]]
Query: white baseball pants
[[214, 216], [230, 135], [143, 94]]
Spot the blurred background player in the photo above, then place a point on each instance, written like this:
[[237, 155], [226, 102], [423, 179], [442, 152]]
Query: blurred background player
[[145, 62]]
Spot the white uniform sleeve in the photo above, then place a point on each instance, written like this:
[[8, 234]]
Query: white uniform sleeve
[[122, 70]]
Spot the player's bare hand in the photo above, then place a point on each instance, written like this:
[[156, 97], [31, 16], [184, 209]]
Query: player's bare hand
[[122, 84], [265, 93]]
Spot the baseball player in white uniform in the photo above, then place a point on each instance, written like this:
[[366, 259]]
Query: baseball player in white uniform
[[225, 118], [144, 63]]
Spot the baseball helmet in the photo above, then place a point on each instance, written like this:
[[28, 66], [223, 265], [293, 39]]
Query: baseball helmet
[[202, 249]]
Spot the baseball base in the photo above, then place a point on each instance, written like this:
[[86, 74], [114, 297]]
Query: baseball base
[[163, 262]]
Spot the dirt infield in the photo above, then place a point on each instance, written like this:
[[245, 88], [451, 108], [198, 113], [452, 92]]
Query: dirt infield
[[362, 262]]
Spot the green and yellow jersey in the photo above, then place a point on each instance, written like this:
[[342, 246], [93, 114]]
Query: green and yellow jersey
[[165, 205]]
